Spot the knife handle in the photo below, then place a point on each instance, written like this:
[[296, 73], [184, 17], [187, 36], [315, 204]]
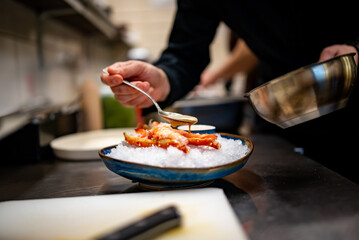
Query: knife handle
[[148, 227]]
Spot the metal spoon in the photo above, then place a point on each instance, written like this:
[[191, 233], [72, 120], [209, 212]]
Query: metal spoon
[[174, 119]]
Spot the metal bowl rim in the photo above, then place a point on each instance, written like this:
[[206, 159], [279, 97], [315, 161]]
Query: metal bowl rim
[[294, 72]]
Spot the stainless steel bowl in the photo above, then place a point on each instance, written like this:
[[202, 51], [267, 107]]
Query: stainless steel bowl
[[306, 93]]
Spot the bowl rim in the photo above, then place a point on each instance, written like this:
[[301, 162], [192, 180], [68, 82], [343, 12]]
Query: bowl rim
[[294, 72], [249, 142]]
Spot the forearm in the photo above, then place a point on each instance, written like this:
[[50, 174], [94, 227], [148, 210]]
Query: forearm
[[241, 59]]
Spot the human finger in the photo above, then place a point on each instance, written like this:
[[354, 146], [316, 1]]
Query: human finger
[[337, 50], [140, 101], [128, 90], [131, 97], [111, 80], [327, 53], [128, 69]]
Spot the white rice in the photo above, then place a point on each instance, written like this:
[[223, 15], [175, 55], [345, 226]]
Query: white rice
[[198, 157]]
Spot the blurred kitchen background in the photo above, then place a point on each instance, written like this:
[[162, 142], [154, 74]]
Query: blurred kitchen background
[[51, 57]]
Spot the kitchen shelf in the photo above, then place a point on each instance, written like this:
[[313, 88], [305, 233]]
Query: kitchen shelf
[[81, 15]]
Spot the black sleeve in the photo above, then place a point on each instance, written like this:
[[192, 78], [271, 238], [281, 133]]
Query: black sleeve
[[187, 53]]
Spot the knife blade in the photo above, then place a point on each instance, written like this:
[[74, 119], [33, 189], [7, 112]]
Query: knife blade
[[147, 227]]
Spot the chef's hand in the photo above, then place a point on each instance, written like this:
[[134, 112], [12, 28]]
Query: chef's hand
[[149, 78], [208, 77], [336, 50]]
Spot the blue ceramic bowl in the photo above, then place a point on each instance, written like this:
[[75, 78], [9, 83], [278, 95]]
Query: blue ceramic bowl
[[166, 177]]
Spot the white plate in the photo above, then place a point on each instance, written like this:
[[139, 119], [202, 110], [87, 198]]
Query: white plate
[[85, 145]]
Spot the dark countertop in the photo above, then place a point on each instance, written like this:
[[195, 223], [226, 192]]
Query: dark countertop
[[279, 194]]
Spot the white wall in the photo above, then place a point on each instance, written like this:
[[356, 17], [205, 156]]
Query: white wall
[[69, 58], [149, 23]]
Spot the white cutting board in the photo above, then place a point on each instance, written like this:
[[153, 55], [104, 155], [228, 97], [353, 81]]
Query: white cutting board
[[205, 213]]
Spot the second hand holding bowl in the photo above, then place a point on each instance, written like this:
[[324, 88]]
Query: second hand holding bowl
[[306, 93]]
